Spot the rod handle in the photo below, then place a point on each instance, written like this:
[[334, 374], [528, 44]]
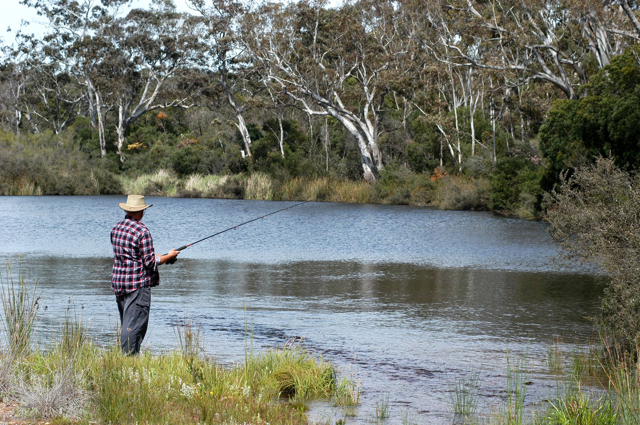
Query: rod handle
[[174, 259]]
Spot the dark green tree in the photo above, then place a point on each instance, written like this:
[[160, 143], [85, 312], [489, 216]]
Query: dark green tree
[[604, 122]]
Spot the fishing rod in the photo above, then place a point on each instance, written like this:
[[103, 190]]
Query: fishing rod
[[173, 260]]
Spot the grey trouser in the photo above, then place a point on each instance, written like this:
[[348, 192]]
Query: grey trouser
[[134, 318]]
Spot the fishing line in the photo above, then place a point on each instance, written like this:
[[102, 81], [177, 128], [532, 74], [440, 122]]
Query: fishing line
[[233, 228]]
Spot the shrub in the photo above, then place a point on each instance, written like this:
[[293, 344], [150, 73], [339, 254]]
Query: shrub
[[50, 164], [515, 187], [186, 161], [460, 193], [393, 186], [594, 216]]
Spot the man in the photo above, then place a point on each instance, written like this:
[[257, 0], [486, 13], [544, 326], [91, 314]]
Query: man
[[135, 271]]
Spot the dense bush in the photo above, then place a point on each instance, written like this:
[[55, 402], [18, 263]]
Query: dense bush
[[603, 122], [186, 161], [594, 215], [50, 165], [515, 187]]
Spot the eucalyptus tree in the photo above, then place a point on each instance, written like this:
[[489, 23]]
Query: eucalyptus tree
[[332, 62], [52, 96], [73, 28], [144, 54], [226, 58], [537, 40], [631, 13], [12, 83]]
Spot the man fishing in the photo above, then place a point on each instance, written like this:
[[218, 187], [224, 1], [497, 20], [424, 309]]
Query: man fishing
[[135, 271]]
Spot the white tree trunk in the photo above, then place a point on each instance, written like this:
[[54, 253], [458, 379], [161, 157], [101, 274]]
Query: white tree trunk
[[121, 131], [369, 169], [100, 123], [244, 131], [281, 139]]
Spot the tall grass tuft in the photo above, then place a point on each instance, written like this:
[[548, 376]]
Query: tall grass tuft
[[579, 408], [73, 334], [162, 183], [204, 186], [624, 379], [465, 395], [23, 186], [516, 390], [347, 393], [359, 192], [460, 193], [308, 189], [294, 373], [190, 338], [556, 356], [20, 306], [383, 411], [259, 186]]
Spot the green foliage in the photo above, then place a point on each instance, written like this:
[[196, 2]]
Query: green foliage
[[86, 137], [603, 122], [268, 158], [515, 187], [186, 161], [51, 165], [423, 151], [581, 409]]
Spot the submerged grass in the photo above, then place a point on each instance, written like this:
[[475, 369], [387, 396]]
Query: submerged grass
[[512, 408], [465, 395], [74, 380], [383, 411]]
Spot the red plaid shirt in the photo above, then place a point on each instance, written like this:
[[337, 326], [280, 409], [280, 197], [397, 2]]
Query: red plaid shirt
[[134, 259]]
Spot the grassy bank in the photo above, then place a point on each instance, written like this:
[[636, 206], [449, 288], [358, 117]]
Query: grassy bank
[[72, 380], [445, 192], [47, 164]]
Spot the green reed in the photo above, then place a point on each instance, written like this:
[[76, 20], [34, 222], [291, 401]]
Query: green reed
[[20, 306], [465, 395], [512, 411], [383, 411]]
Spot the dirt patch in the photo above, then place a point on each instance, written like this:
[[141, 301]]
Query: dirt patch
[[8, 417]]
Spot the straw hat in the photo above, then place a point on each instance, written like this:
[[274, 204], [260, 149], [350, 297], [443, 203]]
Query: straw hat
[[134, 203]]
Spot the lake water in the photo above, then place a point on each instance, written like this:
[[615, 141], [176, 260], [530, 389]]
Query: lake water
[[404, 300]]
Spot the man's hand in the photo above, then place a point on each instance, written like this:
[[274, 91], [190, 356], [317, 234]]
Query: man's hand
[[169, 258]]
